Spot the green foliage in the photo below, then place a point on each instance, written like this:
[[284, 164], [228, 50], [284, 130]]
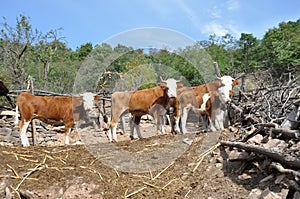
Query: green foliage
[[281, 47], [55, 67], [147, 85]]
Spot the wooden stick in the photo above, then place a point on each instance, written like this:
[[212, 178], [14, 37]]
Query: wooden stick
[[168, 184], [163, 171], [17, 154], [275, 155], [93, 161], [29, 160], [18, 177], [29, 173], [281, 169], [205, 153], [18, 194], [13, 170], [117, 172], [135, 192], [151, 185], [198, 164], [185, 196], [151, 176], [126, 191], [135, 175]]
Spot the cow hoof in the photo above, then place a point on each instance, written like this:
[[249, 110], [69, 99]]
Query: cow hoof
[[131, 137]]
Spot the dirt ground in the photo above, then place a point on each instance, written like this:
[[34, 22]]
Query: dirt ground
[[164, 166]]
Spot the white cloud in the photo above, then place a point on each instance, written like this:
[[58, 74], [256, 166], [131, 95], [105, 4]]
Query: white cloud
[[215, 12], [234, 30], [214, 28], [233, 5]]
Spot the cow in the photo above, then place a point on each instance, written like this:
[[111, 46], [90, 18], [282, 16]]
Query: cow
[[206, 100], [137, 103], [173, 112], [4, 92], [50, 109]]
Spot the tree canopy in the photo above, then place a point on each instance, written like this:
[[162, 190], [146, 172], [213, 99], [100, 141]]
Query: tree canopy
[[45, 57]]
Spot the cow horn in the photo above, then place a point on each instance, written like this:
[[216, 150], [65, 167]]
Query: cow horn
[[177, 81], [162, 80]]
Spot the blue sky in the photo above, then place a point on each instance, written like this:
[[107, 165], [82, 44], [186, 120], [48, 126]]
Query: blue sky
[[97, 21]]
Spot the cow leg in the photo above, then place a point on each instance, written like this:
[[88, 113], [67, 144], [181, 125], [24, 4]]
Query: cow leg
[[131, 124], [177, 129], [67, 132], [184, 119], [123, 125], [205, 122], [219, 119], [135, 124], [23, 127], [159, 125], [112, 134]]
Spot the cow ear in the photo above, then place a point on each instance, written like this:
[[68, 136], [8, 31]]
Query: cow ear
[[235, 82]]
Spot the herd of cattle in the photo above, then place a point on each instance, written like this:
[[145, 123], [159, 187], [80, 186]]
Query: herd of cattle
[[168, 100]]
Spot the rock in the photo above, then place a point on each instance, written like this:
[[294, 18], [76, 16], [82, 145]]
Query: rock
[[244, 176], [254, 194], [296, 195], [267, 194], [187, 141], [15, 134], [233, 155], [256, 139], [279, 178], [5, 131], [275, 144]]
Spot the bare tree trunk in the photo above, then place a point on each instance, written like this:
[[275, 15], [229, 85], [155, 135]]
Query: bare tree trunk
[[217, 69]]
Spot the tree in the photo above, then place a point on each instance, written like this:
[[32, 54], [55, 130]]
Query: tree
[[84, 50], [281, 47], [246, 53], [15, 45], [46, 52]]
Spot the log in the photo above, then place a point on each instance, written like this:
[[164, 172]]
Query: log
[[9, 113], [293, 134], [275, 155], [281, 169]]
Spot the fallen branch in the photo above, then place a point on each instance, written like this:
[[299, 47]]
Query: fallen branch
[[163, 171], [205, 153], [168, 184], [28, 174], [135, 192], [13, 170], [151, 185], [281, 169], [294, 134], [277, 156]]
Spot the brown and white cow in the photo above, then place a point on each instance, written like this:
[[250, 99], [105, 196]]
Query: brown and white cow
[[173, 111], [206, 100], [61, 109], [138, 103]]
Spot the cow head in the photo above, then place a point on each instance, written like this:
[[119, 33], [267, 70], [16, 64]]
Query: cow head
[[227, 83], [89, 100], [172, 84]]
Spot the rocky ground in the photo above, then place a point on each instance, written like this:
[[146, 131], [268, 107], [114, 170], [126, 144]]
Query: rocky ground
[[164, 166]]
